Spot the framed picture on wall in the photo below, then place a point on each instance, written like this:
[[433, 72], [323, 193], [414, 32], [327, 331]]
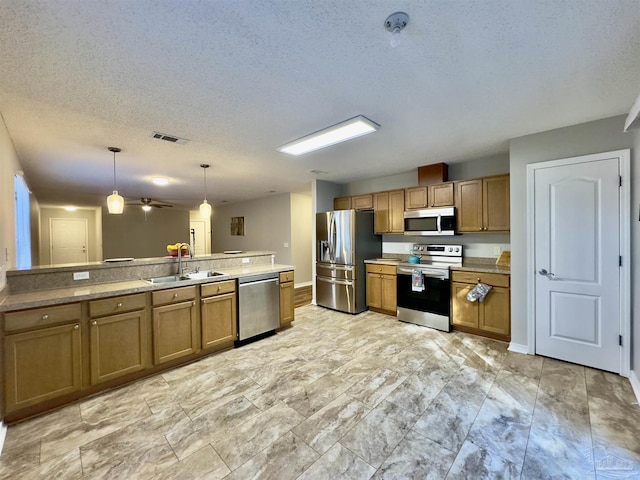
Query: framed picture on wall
[[237, 226]]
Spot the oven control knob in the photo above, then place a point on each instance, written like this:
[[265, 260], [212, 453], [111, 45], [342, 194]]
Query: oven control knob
[[451, 249]]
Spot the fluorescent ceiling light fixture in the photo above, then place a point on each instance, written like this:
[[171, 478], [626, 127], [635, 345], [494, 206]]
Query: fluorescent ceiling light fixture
[[161, 181], [340, 132]]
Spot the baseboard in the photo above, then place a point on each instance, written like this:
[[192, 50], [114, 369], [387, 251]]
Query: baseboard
[[635, 384], [3, 434], [518, 348]]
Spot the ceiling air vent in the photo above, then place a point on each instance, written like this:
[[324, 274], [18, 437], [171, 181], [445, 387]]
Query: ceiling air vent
[[318, 172], [170, 138]]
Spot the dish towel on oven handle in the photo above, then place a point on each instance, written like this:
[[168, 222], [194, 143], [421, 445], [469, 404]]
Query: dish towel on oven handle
[[417, 281], [479, 292]]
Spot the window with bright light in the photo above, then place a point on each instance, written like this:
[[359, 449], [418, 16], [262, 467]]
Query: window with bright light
[[23, 225]]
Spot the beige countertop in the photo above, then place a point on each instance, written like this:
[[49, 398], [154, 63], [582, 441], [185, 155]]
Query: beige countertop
[[473, 264], [41, 298]]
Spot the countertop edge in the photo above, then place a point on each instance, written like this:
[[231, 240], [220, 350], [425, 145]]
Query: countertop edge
[[43, 298]]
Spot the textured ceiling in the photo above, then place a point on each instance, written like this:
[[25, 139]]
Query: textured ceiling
[[239, 78]]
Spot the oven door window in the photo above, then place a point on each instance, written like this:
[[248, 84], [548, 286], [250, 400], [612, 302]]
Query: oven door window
[[434, 299]]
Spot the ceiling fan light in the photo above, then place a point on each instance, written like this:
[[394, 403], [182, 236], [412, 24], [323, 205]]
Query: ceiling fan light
[[146, 208], [205, 209], [115, 203]]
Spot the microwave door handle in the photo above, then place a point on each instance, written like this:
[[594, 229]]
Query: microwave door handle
[[439, 223]]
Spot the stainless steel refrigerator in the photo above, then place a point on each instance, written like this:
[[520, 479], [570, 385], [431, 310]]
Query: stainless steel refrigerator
[[344, 239]]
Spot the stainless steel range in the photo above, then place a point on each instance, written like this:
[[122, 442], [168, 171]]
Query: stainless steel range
[[424, 289]]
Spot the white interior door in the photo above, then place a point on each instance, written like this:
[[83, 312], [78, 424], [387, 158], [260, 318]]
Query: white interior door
[[68, 242], [202, 243], [577, 251]]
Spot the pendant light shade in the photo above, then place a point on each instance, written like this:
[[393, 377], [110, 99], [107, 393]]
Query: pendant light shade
[[115, 203], [205, 208]]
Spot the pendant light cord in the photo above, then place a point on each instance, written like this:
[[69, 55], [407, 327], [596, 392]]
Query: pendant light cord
[[115, 187]]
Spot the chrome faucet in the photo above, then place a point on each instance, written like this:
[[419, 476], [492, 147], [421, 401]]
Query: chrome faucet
[[180, 268]]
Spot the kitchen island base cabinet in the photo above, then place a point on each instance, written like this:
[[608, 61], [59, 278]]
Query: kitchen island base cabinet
[[41, 365], [218, 315], [381, 288], [490, 318], [118, 345]]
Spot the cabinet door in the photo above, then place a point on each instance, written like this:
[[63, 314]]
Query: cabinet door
[[374, 290], [415, 198], [441, 195], [469, 203], [495, 312], [41, 365], [342, 203], [495, 202], [388, 293], [287, 310], [396, 211], [463, 312], [118, 345], [175, 331], [362, 202], [219, 321], [381, 212]]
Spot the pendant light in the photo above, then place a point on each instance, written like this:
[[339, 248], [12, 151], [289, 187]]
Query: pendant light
[[115, 203], [205, 208]]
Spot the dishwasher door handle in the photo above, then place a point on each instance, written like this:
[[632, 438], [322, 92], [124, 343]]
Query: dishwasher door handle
[[257, 282]]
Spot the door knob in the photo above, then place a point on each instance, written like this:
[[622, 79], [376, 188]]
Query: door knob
[[544, 272]]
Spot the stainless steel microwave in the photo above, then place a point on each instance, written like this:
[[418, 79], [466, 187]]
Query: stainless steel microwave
[[430, 221]]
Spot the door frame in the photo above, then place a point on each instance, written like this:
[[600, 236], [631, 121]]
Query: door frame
[[625, 248]]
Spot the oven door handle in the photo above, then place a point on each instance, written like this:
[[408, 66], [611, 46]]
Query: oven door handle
[[409, 271]]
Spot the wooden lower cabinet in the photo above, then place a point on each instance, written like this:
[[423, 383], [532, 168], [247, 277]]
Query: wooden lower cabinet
[[41, 365], [175, 331], [118, 345], [381, 288], [492, 317], [287, 300], [218, 315]]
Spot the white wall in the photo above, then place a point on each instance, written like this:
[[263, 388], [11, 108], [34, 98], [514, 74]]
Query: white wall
[[592, 137], [9, 166], [301, 237], [267, 226]]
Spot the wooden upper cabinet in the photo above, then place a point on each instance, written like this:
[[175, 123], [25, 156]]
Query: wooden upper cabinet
[[483, 204], [362, 202], [495, 200], [342, 203], [441, 195], [469, 204], [388, 210], [415, 198]]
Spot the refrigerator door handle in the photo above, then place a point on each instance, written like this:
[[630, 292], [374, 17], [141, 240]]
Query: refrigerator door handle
[[332, 238]]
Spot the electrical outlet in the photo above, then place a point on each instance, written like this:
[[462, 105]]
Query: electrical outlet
[[497, 250], [81, 275], [286, 245], [245, 260]]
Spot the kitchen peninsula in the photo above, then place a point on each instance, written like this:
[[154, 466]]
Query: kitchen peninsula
[[64, 339]]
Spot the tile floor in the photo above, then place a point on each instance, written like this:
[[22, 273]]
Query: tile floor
[[345, 397]]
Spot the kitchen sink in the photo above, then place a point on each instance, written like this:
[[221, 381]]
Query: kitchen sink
[[189, 276]]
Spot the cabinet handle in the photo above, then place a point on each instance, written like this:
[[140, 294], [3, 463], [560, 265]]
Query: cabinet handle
[[219, 288], [45, 317], [119, 304], [478, 279], [193, 304], [94, 323], [76, 326], [175, 295]]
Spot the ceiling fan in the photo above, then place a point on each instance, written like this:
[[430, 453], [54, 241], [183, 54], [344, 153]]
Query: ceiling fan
[[149, 202]]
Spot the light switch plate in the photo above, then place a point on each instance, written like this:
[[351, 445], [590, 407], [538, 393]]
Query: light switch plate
[[81, 275], [245, 260]]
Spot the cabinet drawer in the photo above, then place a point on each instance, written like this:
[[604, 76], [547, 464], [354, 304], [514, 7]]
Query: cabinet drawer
[[493, 279], [218, 288], [41, 317], [286, 277], [109, 306], [173, 295], [382, 269]]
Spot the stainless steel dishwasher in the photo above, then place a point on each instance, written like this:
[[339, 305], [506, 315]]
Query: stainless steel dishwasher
[[258, 305]]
